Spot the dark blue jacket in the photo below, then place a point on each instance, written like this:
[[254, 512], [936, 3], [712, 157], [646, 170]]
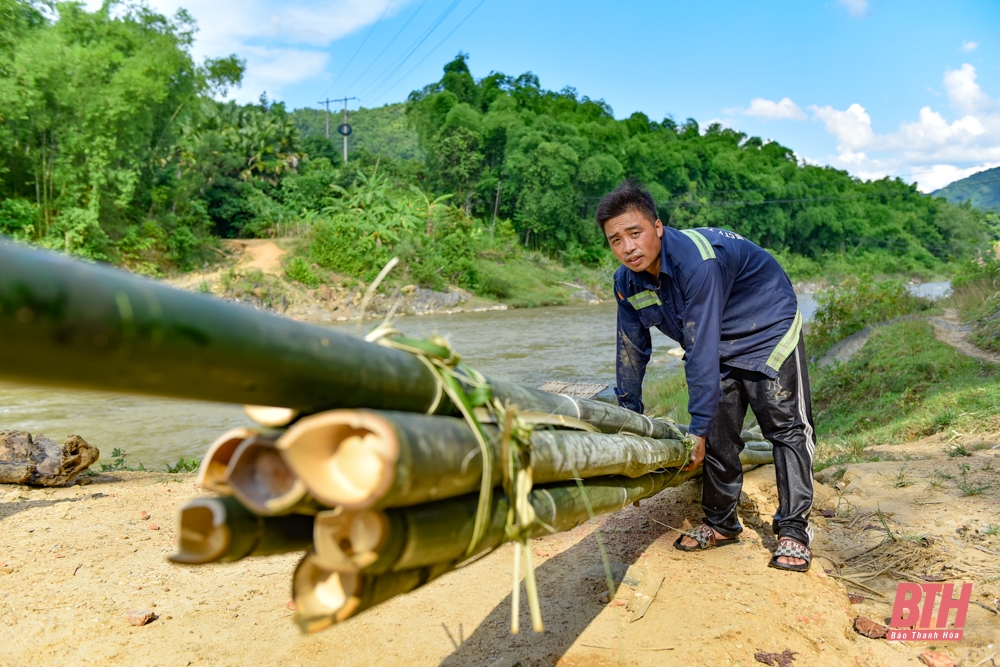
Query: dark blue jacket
[[725, 299]]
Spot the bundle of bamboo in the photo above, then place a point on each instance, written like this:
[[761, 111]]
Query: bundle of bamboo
[[385, 502]]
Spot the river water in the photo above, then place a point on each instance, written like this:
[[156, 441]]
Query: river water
[[529, 346]]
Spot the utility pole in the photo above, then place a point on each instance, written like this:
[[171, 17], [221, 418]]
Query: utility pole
[[327, 103], [344, 128]]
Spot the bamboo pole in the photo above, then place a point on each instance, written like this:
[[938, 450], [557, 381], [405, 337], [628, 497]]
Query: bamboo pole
[[324, 597], [215, 463], [419, 535], [358, 458], [408, 537], [222, 530], [68, 323], [330, 585], [263, 482], [434, 541]]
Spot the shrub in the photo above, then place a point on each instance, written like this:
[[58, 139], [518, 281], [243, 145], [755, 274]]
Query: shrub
[[856, 303], [298, 269], [976, 294]]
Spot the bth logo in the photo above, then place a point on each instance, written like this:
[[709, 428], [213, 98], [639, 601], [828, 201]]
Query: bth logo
[[914, 607]]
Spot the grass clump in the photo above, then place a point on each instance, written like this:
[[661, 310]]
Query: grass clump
[[184, 465], [528, 279], [849, 307], [299, 269], [976, 295], [666, 395], [119, 457]]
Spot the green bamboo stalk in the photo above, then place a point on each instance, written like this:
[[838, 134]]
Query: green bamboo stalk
[[422, 542], [68, 323], [222, 530], [436, 532], [359, 458], [434, 542], [324, 597]]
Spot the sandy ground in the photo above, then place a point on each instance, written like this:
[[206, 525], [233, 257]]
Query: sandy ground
[[73, 561], [252, 254]]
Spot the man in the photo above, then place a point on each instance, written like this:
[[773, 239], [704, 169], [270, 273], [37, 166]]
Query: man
[[732, 308]]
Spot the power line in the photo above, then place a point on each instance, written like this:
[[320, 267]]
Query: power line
[[434, 49], [377, 83], [386, 47], [361, 46]]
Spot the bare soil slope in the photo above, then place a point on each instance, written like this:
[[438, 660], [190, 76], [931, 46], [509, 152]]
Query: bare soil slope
[[74, 560]]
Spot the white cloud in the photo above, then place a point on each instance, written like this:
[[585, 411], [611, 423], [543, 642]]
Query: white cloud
[[853, 127], [969, 46], [786, 109], [930, 150], [856, 8], [283, 43]]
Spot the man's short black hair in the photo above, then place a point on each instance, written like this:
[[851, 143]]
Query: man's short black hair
[[631, 195]]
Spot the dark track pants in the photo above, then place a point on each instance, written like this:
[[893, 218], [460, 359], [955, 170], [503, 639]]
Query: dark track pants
[[783, 408]]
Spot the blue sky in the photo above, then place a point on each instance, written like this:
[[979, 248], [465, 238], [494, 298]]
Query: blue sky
[[907, 88]]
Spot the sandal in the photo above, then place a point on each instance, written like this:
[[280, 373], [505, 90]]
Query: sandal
[[705, 536], [791, 549]]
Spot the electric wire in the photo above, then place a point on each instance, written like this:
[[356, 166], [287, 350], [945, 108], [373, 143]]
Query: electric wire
[[361, 46], [428, 54], [399, 62], [351, 85]]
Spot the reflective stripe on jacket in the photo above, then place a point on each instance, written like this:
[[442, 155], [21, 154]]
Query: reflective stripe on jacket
[[725, 299]]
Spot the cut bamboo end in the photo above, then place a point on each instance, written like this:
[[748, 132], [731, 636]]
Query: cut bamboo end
[[204, 536], [270, 416], [323, 597], [345, 457], [261, 479], [347, 541], [212, 471]]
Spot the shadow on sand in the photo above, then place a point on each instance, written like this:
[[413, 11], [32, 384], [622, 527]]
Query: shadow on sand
[[570, 582]]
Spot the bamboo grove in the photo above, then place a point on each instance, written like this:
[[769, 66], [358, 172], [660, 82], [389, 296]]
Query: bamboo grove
[[113, 146]]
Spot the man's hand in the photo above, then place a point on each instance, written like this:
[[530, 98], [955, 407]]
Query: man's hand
[[697, 454]]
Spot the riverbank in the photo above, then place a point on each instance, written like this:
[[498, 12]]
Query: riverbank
[[261, 272], [258, 272]]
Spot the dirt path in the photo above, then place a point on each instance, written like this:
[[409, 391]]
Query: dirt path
[[74, 560], [949, 329], [260, 254]]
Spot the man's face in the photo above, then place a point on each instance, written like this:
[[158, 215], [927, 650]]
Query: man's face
[[635, 241]]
